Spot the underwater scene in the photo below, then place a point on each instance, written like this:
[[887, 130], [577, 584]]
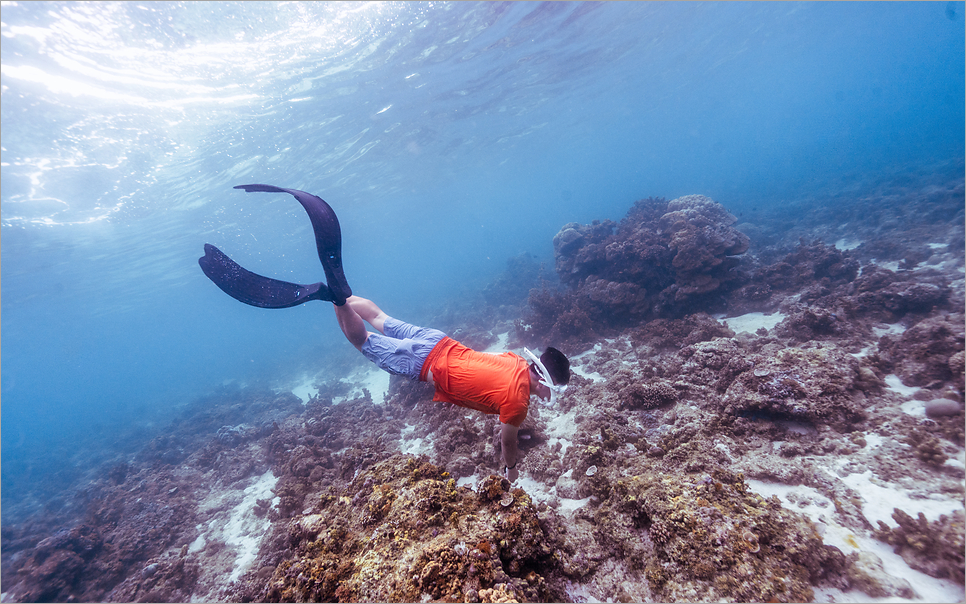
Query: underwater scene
[[739, 225]]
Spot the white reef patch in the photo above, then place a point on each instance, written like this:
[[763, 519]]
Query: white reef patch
[[752, 321], [821, 511], [305, 389], [370, 377], [500, 346], [846, 244], [234, 522]]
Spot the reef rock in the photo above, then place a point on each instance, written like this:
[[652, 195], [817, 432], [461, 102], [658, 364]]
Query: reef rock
[[712, 539], [661, 260], [820, 386], [403, 531], [921, 355]]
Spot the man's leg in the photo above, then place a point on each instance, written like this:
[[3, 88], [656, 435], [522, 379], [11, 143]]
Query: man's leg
[[368, 310], [351, 316]]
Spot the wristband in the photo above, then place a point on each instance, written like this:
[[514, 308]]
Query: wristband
[[505, 467]]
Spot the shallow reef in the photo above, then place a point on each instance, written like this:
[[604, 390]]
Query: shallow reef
[[403, 531], [663, 258], [766, 407]]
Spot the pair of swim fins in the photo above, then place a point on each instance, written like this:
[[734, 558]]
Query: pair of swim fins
[[264, 292]]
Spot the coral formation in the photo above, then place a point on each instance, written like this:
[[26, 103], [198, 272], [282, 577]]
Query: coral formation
[[641, 484], [922, 355], [661, 260], [935, 548], [812, 385], [403, 531]]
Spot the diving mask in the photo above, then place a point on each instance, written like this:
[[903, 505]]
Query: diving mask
[[545, 379]]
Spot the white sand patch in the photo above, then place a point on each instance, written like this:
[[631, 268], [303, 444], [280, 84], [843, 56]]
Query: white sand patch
[[914, 408], [811, 503], [500, 346], [410, 445], [752, 321], [538, 491], [244, 530], [597, 348], [937, 246], [370, 377], [560, 428], [957, 462], [821, 511], [587, 375], [569, 506], [576, 364], [846, 244], [198, 544], [873, 440], [879, 501], [305, 389], [564, 444], [929, 589], [892, 265], [579, 592], [885, 328], [236, 524], [895, 384]]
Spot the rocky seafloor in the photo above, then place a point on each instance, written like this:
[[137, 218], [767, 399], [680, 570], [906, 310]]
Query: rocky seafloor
[[764, 408]]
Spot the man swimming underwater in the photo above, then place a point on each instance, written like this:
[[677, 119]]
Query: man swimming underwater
[[494, 384]]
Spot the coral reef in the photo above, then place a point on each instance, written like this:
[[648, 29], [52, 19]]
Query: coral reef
[[403, 531], [663, 259], [923, 355], [935, 548], [685, 461], [819, 385], [713, 539]]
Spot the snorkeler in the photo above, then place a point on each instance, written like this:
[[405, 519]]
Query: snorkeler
[[494, 384]]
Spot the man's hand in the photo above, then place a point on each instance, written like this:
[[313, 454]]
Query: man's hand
[[511, 474]]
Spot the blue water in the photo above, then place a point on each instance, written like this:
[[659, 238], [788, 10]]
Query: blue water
[[448, 137]]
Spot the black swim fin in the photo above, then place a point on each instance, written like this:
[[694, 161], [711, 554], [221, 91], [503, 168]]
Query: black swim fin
[[245, 286], [328, 236]]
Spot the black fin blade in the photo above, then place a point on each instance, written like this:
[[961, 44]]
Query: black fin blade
[[328, 234], [255, 290]]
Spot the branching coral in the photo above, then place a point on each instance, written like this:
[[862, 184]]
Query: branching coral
[[935, 548]]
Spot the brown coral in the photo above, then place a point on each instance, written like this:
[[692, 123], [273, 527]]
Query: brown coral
[[922, 355], [935, 548], [811, 385], [451, 540], [662, 257], [648, 396]]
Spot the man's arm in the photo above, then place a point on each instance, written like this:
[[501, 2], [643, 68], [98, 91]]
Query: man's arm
[[509, 440]]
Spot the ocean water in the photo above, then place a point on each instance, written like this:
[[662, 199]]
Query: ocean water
[[448, 137]]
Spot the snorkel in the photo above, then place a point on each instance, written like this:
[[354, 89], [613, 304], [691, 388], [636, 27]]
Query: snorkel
[[545, 379]]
